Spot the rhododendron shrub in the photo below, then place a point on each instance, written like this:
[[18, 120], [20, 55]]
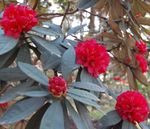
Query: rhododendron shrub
[[54, 68]]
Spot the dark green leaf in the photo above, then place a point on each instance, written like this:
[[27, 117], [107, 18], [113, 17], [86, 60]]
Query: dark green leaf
[[33, 73], [12, 74], [8, 58], [53, 117], [84, 113], [34, 122], [55, 28], [84, 100], [86, 77], [14, 92], [46, 31], [50, 61], [83, 93], [21, 110], [88, 86], [84, 4], [75, 29], [111, 118], [128, 125], [24, 54], [68, 63], [45, 45], [35, 92], [75, 116], [7, 44]]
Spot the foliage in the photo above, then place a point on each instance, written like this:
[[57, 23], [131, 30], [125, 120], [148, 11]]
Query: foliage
[[48, 50]]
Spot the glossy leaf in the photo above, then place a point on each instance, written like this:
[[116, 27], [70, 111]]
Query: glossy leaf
[[33, 73], [88, 86], [45, 31], [12, 74], [50, 61], [21, 110], [24, 54], [34, 122], [35, 92], [45, 45], [75, 29], [111, 118], [83, 93], [75, 116], [84, 100], [14, 92], [53, 117], [7, 43], [68, 63]]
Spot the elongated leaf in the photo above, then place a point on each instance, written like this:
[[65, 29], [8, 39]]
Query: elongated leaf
[[83, 93], [7, 44], [68, 63], [88, 86], [33, 73], [128, 125], [8, 58], [45, 31], [84, 113], [24, 54], [53, 117], [75, 116], [34, 122], [111, 118], [84, 100], [84, 4], [53, 27], [21, 110], [75, 29], [36, 92], [45, 45], [12, 74], [14, 92], [50, 61], [86, 77]]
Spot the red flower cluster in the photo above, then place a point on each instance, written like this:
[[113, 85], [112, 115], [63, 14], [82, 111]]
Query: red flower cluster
[[141, 46], [3, 105], [17, 19], [142, 62], [132, 106], [57, 86], [92, 56]]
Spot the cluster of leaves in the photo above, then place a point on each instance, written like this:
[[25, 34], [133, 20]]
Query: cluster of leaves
[[49, 45]]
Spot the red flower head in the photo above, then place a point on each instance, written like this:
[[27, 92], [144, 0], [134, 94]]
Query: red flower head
[[92, 56], [3, 105], [141, 46], [57, 86], [132, 106], [142, 62], [18, 18]]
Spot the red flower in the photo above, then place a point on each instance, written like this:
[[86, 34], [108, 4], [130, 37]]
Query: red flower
[[17, 19], [57, 86], [3, 105], [92, 56], [132, 106], [142, 62], [141, 46]]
